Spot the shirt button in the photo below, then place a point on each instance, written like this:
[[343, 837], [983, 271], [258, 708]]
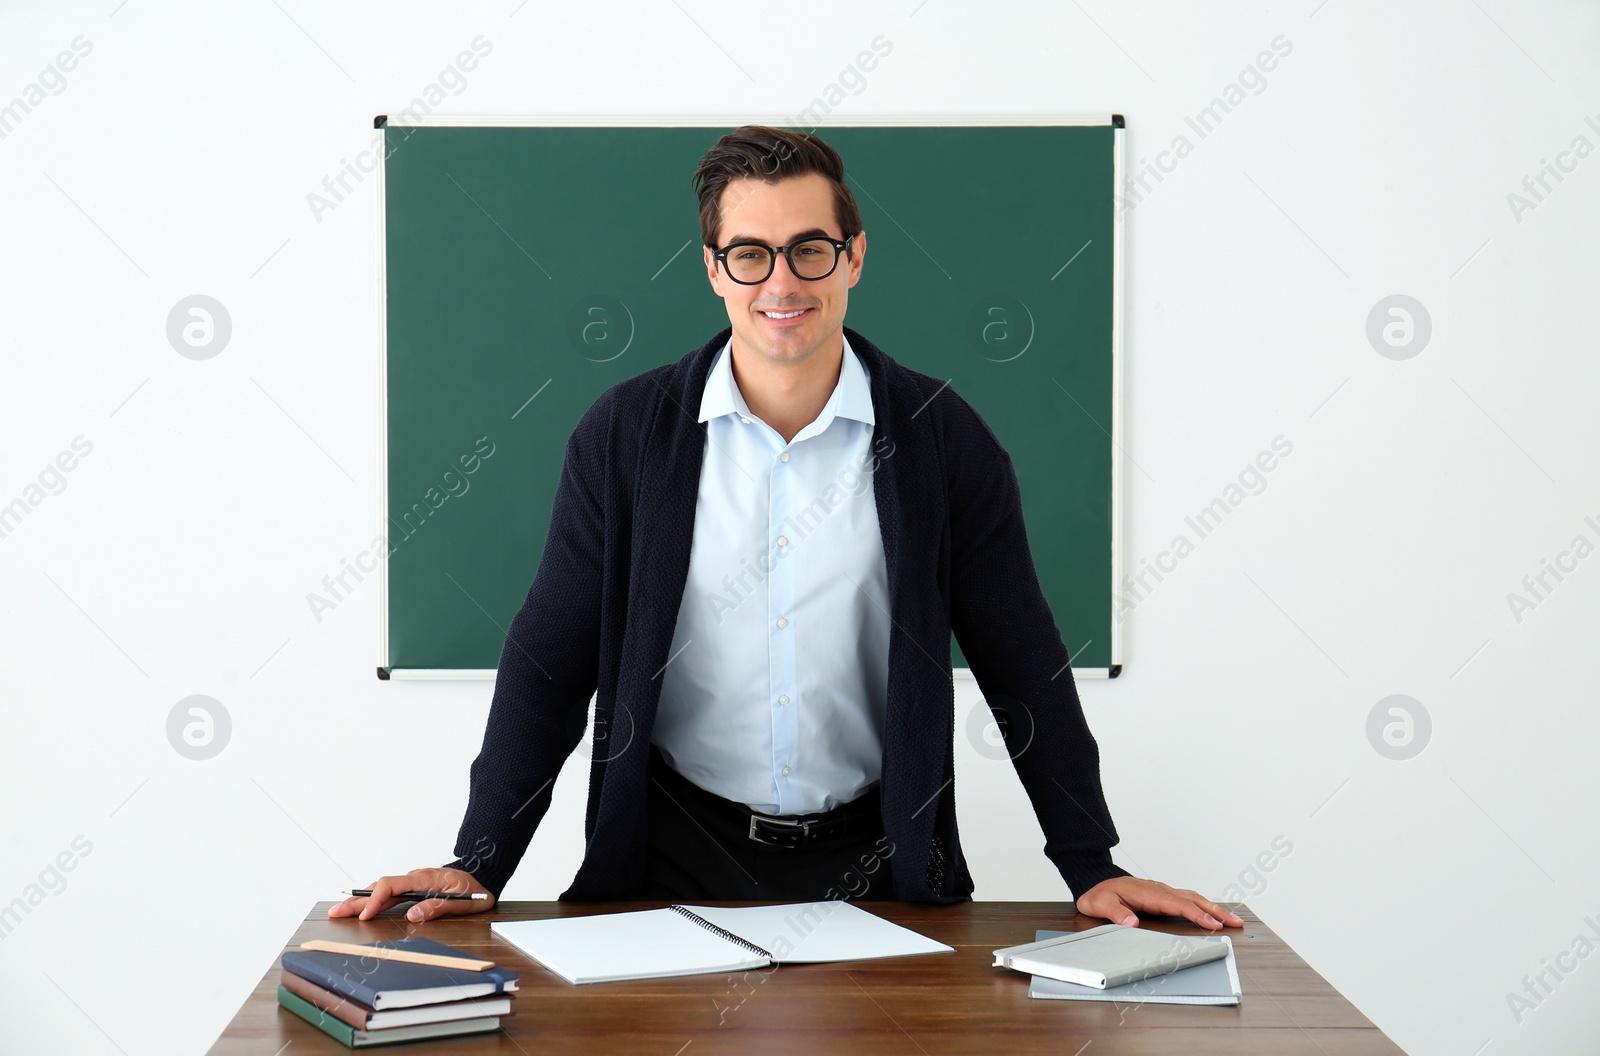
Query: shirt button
[[783, 540], [782, 622], [784, 699], [786, 771], [746, 421], [784, 457]]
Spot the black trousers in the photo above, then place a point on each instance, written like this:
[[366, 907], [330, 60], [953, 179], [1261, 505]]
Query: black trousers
[[699, 848]]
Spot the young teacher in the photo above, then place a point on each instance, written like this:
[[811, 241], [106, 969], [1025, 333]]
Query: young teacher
[[755, 561]]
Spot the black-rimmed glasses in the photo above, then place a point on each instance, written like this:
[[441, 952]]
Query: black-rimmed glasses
[[751, 263]]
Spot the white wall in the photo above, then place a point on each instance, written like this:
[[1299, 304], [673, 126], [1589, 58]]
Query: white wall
[[1374, 159]]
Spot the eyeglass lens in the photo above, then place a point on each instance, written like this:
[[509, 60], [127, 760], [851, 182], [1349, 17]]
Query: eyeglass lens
[[811, 260]]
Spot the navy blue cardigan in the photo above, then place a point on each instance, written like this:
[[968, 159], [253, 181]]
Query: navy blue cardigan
[[604, 605]]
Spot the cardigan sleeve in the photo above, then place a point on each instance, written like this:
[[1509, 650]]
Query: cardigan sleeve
[[1009, 636], [548, 670]]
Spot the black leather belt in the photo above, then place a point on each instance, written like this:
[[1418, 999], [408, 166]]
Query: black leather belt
[[814, 831], [861, 814]]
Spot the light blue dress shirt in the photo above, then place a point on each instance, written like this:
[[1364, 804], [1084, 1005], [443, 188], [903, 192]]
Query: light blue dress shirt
[[778, 675]]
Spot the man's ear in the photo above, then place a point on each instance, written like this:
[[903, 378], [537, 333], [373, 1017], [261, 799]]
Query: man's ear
[[858, 256], [711, 268]]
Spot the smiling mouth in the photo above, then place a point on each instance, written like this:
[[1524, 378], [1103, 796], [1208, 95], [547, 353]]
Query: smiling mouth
[[783, 316]]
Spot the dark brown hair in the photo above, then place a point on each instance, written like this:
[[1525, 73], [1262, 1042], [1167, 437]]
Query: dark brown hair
[[769, 154]]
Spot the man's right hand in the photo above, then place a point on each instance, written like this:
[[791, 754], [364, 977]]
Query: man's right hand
[[385, 893]]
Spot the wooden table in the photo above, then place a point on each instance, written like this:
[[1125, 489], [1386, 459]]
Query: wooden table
[[929, 1004]]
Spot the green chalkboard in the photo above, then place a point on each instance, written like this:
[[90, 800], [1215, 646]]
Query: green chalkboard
[[527, 267]]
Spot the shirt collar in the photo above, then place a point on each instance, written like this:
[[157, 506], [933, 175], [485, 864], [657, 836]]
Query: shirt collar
[[851, 398]]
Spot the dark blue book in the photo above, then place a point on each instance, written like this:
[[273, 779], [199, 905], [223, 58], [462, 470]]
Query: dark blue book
[[379, 983]]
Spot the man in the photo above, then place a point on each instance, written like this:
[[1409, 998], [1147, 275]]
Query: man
[[756, 556]]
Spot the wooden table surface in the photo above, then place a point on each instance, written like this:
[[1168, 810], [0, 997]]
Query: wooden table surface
[[929, 1004]]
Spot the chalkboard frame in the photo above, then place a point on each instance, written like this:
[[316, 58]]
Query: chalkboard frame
[[1119, 135]]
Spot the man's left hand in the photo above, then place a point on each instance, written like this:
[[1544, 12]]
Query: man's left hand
[[1117, 899]]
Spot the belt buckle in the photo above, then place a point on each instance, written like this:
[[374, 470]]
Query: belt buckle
[[801, 829]]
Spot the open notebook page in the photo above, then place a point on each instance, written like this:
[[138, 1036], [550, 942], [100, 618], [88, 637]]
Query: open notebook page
[[644, 944], [819, 931]]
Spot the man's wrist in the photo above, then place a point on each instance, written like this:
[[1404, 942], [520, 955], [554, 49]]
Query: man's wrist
[[479, 872], [1082, 870]]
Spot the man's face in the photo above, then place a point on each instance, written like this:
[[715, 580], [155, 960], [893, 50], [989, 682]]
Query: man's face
[[779, 214]]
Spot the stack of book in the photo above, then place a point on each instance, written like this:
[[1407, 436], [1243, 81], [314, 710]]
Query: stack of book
[[365, 1001]]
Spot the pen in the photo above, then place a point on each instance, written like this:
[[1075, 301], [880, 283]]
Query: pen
[[475, 895]]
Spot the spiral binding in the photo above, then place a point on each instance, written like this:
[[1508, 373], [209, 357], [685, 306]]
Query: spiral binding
[[724, 932]]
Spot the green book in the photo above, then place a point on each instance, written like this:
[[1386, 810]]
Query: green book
[[359, 1039]]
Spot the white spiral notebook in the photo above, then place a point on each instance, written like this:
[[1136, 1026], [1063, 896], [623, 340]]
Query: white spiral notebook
[[695, 940]]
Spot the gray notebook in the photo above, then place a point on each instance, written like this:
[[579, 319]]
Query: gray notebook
[[1213, 983], [1110, 955]]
